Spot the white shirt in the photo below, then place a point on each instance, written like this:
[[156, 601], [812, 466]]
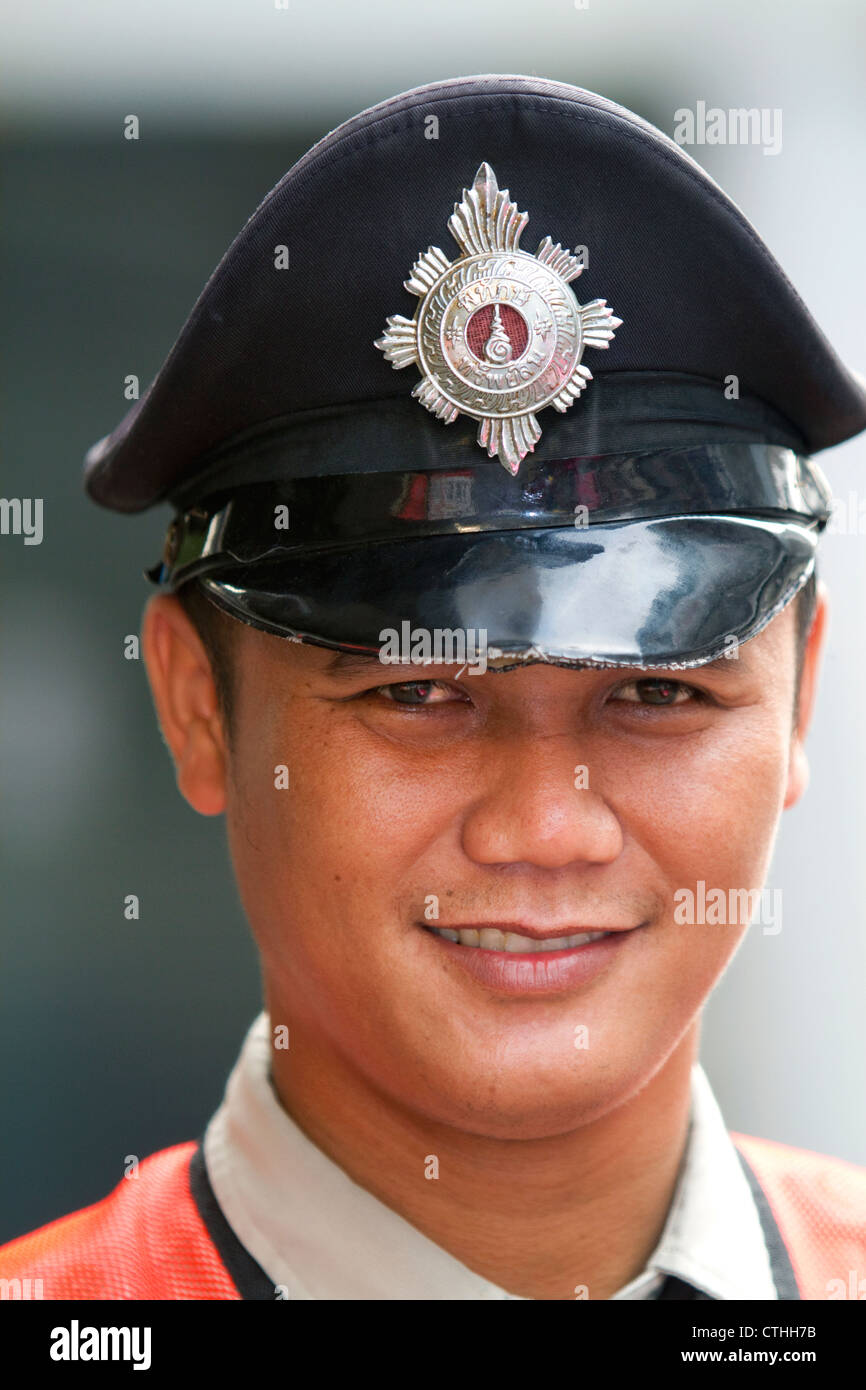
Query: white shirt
[[319, 1235]]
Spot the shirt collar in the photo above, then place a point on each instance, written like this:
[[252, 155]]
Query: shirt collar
[[321, 1236], [713, 1237]]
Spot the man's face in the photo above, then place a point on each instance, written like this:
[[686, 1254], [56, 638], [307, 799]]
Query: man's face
[[542, 798]]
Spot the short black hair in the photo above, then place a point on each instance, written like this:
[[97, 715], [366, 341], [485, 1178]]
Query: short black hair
[[216, 630], [804, 616]]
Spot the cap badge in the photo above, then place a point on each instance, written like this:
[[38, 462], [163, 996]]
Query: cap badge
[[497, 334]]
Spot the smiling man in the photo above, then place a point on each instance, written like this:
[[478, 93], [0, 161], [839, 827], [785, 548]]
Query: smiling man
[[462, 859]]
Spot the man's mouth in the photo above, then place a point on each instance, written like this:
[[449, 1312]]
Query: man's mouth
[[494, 939], [531, 959]]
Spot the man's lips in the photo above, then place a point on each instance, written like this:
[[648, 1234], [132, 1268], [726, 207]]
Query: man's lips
[[552, 960], [528, 937], [537, 930]]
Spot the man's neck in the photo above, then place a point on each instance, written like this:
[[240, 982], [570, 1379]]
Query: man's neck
[[542, 1218]]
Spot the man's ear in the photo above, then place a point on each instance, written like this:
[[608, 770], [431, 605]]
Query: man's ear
[[798, 766], [186, 703]]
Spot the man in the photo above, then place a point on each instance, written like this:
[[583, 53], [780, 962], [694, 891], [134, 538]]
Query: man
[[486, 723]]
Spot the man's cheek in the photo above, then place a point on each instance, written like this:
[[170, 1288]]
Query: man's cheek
[[329, 840], [715, 789]]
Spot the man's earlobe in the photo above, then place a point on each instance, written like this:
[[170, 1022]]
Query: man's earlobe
[[798, 766], [187, 707], [798, 772]]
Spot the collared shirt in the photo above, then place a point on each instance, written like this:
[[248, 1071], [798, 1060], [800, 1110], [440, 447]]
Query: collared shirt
[[317, 1234]]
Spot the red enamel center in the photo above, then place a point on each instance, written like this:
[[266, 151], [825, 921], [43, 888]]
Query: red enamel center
[[480, 327]]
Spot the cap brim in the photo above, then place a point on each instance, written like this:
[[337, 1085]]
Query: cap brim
[[663, 592]]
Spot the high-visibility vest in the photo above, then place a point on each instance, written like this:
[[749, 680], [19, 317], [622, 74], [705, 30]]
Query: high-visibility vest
[[161, 1234]]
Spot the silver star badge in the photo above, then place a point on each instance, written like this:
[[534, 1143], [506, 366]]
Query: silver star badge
[[497, 334]]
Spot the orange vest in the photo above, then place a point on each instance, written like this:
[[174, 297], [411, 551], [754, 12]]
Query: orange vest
[[160, 1235]]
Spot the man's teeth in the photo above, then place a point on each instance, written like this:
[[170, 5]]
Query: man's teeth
[[491, 939]]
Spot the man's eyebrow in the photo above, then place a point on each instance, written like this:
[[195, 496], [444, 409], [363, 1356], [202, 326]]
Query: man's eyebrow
[[721, 666], [355, 663], [366, 663], [726, 665], [349, 663]]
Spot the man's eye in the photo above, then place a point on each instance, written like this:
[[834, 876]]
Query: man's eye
[[417, 693], [656, 691]]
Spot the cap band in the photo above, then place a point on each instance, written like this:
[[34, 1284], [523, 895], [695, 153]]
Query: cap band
[[267, 520]]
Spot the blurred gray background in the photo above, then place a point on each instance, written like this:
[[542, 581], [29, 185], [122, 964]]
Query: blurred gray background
[[116, 1036]]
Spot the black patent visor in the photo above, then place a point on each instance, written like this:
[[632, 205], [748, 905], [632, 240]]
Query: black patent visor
[[654, 558]]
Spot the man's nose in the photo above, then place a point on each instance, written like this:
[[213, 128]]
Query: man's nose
[[536, 805]]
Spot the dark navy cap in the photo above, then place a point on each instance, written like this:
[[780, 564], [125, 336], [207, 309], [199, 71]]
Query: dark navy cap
[[494, 355]]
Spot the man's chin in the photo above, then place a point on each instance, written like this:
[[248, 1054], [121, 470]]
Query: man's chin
[[530, 1099]]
